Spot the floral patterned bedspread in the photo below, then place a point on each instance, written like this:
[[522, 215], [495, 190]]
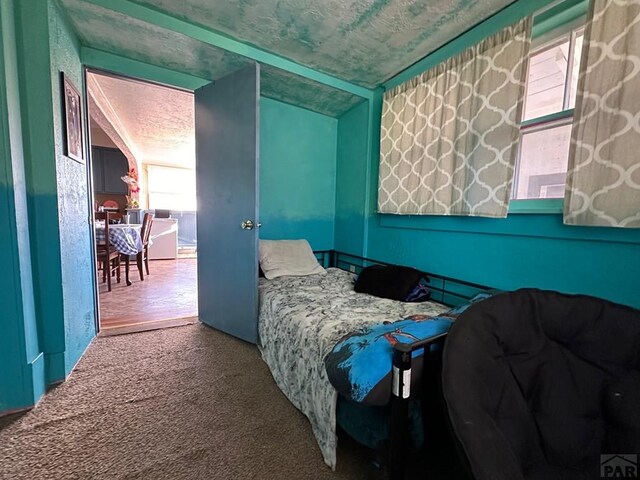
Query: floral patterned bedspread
[[301, 319]]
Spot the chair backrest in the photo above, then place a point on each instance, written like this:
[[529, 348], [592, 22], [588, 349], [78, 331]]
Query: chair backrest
[[145, 232], [529, 375], [106, 216]]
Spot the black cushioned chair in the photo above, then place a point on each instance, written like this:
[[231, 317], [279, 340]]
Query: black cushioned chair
[[539, 384]]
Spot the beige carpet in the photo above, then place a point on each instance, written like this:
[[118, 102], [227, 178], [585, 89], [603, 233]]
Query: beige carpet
[[185, 402]]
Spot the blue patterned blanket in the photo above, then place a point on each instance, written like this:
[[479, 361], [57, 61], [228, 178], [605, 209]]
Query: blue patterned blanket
[[359, 365]]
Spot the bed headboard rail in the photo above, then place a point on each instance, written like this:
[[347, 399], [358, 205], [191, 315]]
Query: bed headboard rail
[[447, 290]]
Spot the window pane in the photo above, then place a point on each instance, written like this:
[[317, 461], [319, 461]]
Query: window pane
[[171, 188], [172, 201], [545, 86], [543, 163], [576, 69], [171, 180]]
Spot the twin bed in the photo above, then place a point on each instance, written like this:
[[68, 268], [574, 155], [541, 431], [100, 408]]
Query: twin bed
[[301, 320]]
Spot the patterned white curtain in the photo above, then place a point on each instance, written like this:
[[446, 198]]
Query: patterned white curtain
[[449, 137], [603, 180]]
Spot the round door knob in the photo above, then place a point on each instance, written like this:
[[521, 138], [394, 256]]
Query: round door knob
[[247, 225]]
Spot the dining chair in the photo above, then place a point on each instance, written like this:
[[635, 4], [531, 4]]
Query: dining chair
[[107, 254], [145, 234]]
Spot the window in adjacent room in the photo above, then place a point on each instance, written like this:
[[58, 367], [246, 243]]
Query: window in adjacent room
[[548, 112], [171, 188]]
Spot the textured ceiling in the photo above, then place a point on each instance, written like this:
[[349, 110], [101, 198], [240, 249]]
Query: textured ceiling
[[158, 121], [113, 32], [365, 42], [132, 38], [290, 88], [362, 41], [154, 124]]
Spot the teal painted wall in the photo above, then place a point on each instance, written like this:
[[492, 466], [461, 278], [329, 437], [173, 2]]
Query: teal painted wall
[[56, 190], [37, 126], [77, 266], [22, 374], [351, 182], [297, 174], [39, 146], [519, 251]]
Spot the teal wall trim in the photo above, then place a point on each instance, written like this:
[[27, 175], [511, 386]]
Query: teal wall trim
[[61, 322], [37, 372], [351, 182], [134, 68], [519, 251], [54, 368], [297, 174], [562, 14], [525, 251], [534, 226], [536, 205], [39, 146], [22, 375], [163, 20], [373, 148]]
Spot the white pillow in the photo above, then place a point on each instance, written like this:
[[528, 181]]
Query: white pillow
[[288, 257]]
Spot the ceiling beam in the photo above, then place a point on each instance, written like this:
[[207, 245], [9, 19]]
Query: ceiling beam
[[127, 67], [169, 22]]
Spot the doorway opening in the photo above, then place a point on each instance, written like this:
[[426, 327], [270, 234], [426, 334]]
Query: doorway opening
[[144, 197]]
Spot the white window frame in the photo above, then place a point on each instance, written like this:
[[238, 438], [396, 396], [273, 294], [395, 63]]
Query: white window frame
[[151, 167], [550, 39]]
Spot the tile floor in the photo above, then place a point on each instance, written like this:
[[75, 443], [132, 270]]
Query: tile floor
[[168, 293]]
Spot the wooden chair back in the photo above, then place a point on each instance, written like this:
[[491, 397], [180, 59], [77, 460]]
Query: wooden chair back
[[106, 216], [145, 231], [106, 254]]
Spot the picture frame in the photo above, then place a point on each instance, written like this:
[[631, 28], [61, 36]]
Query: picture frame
[[72, 120]]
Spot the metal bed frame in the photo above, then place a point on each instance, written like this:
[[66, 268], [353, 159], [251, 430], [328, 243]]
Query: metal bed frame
[[446, 290]]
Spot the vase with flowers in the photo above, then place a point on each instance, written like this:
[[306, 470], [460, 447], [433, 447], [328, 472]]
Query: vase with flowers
[[131, 179]]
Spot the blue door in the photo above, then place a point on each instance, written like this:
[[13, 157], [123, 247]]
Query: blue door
[[227, 136]]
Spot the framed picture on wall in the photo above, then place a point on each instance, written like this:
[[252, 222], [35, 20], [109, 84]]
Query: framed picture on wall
[[72, 116]]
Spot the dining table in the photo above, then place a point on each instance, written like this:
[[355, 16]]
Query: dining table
[[125, 237]]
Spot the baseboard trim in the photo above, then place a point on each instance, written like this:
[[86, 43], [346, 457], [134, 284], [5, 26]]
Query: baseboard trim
[[37, 368], [33, 386], [147, 326], [13, 411], [54, 368]]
